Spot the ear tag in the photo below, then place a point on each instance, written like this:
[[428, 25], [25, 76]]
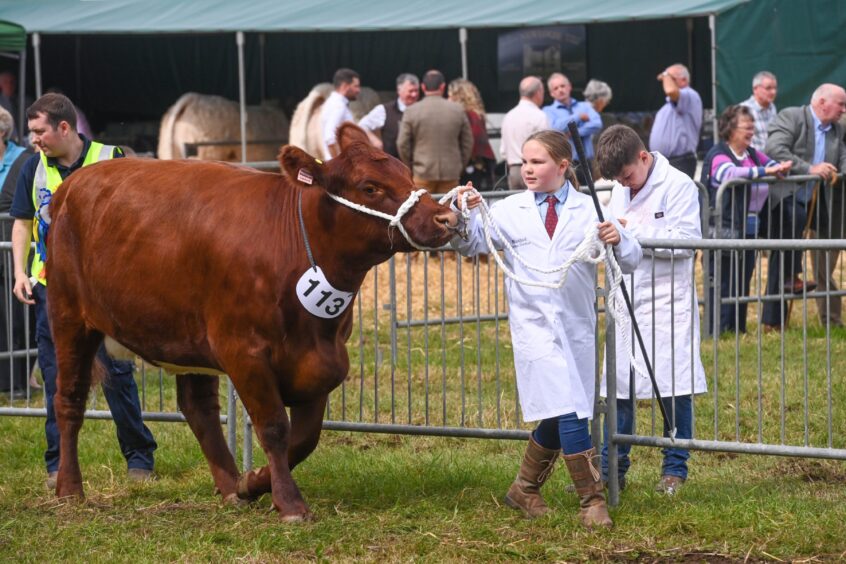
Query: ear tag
[[318, 161], [305, 177]]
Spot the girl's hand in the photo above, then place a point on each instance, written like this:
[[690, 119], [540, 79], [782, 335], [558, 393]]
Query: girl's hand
[[473, 198], [608, 233]]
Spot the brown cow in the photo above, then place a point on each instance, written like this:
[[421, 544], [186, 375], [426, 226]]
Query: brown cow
[[196, 265]]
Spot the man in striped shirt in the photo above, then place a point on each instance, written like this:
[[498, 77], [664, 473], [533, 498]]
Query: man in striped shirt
[[762, 105]]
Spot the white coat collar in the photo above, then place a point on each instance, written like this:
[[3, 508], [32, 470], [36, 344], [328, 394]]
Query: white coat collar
[[658, 176]]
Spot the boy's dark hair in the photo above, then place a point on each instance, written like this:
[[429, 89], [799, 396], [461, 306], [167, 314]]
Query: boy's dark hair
[[617, 147], [56, 107], [433, 80], [344, 76]]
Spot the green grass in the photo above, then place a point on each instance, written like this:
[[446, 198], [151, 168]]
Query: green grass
[[388, 499], [382, 498]]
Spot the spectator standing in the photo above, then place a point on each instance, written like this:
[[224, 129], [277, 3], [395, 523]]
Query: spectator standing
[[657, 201], [762, 105], [811, 137], [598, 94], [742, 206], [480, 169], [565, 109], [519, 124], [13, 375], [336, 109], [386, 118], [552, 329], [675, 133], [435, 139], [52, 125]]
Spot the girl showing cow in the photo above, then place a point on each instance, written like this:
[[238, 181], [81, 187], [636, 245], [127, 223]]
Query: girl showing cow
[[552, 330]]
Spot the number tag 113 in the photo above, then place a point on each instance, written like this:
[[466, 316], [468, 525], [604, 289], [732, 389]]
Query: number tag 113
[[319, 297]]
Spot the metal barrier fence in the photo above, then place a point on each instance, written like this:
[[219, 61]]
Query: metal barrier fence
[[431, 355]]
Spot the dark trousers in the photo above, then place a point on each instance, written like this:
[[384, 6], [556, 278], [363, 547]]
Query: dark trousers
[[786, 220], [135, 439], [736, 268], [685, 163]]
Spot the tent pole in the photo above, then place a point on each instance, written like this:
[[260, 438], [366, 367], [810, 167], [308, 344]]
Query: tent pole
[[462, 38], [712, 23], [262, 76], [22, 140], [242, 95], [36, 49]]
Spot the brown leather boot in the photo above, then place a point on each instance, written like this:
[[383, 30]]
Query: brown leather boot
[[593, 512], [524, 493]]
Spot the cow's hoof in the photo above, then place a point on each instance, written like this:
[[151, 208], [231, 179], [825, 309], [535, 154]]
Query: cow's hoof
[[70, 493], [234, 500], [297, 517], [242, 488]]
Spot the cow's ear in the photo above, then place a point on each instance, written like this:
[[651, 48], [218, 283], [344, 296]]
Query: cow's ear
[[300, 167], [349, 134]]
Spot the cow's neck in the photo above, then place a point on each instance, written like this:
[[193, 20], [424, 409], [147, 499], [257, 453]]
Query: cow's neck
[[344, 243]]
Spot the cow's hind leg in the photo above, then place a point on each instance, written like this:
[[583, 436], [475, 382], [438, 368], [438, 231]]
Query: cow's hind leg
[[197, 397], [306, 424], [76, 348], [264, 405]]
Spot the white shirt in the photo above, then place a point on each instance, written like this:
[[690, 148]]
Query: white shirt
[[335, 111], [376, 118], [524, 119]]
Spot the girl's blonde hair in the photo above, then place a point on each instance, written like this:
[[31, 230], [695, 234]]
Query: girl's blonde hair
[[558, 147], [465, 93]]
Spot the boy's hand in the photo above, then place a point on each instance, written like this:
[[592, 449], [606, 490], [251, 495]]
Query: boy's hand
[[608, 233]]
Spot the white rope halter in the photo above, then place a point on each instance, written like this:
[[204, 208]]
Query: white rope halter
[[591, 250], [393, 220]]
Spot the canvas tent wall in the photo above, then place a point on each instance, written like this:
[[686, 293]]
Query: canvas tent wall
[[139, 52], [803, 43]]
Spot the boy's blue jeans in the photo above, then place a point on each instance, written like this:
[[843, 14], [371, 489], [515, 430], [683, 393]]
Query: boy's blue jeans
[[675, 459]]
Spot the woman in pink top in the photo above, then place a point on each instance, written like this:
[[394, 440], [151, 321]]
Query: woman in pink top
[[741, 206]]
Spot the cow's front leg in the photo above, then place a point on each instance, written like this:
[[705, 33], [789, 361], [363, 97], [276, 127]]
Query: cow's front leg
[[267, 412], [306, 424]]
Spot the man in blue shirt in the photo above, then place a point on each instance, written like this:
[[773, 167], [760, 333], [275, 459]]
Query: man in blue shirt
[[565, 109], [675, 133]]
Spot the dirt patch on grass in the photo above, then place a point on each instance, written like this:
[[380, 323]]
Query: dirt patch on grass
[[813, 470]]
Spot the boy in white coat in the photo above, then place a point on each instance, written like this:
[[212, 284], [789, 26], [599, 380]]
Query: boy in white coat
[[656, 201], [552, 330]]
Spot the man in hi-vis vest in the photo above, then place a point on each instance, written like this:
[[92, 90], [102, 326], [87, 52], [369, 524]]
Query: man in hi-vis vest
[[52, 126]]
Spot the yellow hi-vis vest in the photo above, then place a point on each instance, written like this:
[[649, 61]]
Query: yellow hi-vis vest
[[47, 180]]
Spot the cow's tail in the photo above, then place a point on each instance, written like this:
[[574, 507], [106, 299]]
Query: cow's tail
[[168, 147]]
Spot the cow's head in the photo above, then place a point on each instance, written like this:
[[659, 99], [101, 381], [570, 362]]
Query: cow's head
[[373, 179]]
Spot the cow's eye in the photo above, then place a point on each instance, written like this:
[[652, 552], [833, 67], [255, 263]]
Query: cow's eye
[[369, 190]]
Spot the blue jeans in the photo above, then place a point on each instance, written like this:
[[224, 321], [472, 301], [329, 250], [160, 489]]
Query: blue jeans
[[565, 432], [135, 439], [675, 459]]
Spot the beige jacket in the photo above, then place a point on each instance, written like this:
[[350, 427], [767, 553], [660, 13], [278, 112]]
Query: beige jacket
[[435, 139]]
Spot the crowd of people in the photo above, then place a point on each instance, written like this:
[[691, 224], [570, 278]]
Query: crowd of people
[[439, 130]]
